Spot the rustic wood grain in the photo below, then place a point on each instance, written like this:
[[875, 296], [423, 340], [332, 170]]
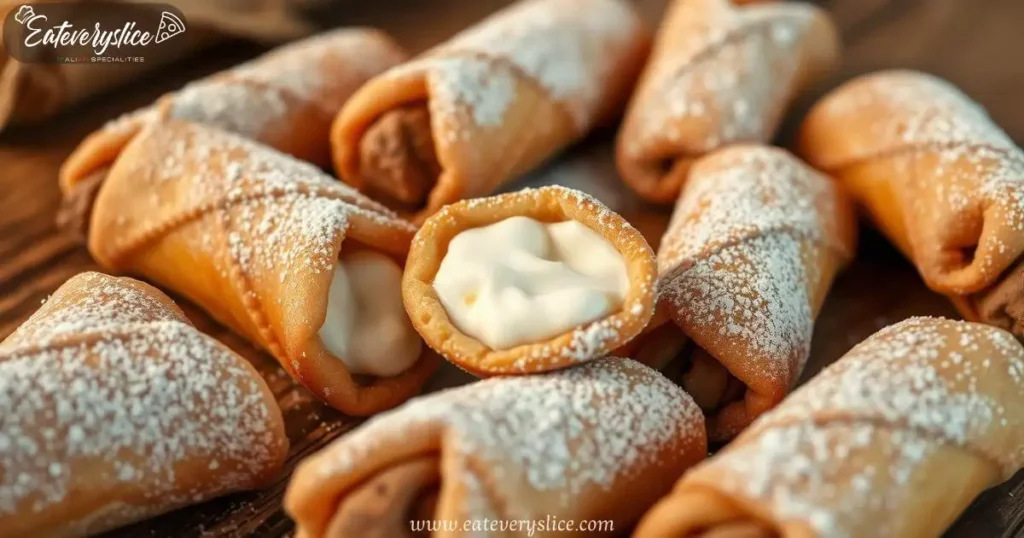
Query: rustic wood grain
[[974, 43]]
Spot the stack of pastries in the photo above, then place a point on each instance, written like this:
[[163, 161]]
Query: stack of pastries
[[612, 368]]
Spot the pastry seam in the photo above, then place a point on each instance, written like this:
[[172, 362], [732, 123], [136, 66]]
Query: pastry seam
[[848, 418], [253, 305], [906, 150], [65, 341], [744, 31], [685, 263], [461, 53], [126, 246]]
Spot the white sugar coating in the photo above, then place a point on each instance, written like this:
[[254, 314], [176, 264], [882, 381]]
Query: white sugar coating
[[116, 386], [847, 446], [361, 52], [917, 374], [733, 67], [231, 105], [484, 89], [567, 432], [922, 114], [591, 340], [569, 47], [263, 94], [827, 477], [279, 214], [931, 111], [92, 313], [733, 255]]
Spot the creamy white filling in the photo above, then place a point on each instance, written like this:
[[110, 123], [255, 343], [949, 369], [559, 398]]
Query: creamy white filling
[[366, 325], [521, 281]]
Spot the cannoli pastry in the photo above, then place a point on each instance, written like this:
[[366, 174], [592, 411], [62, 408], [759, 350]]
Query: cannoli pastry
[[275, 249], [895, 439], [719, 74], [750, 253], [31, 92], [489, 104], [115, 409], [601, 441], [528, 281], [938, 177], [286, 99]]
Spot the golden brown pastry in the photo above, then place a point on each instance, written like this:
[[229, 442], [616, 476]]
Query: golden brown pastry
[[286, 99], [750, 253], [275, 249], [115, 409], [936, 176], [720, 73], [488, 104], [599, 441], [529, 281], [895, 439], [30, 93]]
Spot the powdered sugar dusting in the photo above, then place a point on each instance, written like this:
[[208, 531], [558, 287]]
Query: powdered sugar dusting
[[730, 70], [568, 47], [108, 378], [280, 214], [733, 256], [842, 452], [931, 111], [931, 375], [261, 95], [803, 472], [486, 90], [585, 427], [974, 178]]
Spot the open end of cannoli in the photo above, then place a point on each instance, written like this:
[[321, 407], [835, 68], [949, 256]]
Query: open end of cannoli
[[521, 281], [366, 325], [76, 208], [397, 161], [385, 505], [715, 390], [657, 178]]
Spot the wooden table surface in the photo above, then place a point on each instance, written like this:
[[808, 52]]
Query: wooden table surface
[[975, 43]]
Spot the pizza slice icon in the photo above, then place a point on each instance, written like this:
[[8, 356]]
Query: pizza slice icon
[[170, 26]]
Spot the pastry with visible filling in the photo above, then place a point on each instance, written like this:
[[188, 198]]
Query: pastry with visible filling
[[275, 249], [286, 99], [895, 439], [488, 104], [750, 253], [719, 74], [938, 177], [115, 409], [599, 441], [529, 281]]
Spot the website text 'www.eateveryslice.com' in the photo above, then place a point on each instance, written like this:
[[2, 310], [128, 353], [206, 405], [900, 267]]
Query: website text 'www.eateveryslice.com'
[[529, 527]]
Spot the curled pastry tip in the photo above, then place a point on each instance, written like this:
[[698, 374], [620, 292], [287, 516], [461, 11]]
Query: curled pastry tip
[[446, 456], [753, 245], [279, 271], [921, 405], [937, 176], [719, 74], [489, 104], [114, 385]]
